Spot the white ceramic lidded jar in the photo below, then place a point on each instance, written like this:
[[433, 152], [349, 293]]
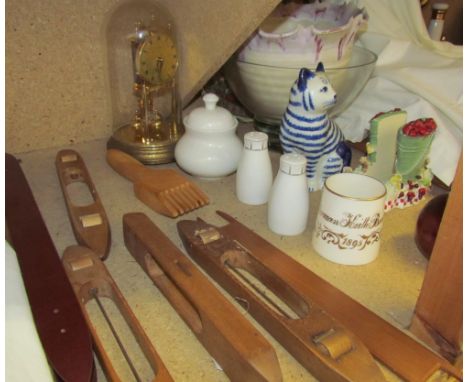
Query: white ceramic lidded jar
[[254, 174], [210, 147], [288, 205]]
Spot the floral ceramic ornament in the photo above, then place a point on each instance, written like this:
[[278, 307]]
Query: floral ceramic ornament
[[381, 147], [412, 179], [403, 148]]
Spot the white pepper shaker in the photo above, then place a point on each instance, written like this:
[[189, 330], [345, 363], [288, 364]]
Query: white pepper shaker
[[288, 206], [254, 174]]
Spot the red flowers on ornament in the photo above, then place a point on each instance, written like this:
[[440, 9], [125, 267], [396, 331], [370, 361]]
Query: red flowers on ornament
[[420, 127]]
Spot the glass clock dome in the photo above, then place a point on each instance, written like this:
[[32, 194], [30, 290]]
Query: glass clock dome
[[142, 61]]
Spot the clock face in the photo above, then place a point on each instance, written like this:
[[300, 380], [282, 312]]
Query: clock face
[[156, 59]]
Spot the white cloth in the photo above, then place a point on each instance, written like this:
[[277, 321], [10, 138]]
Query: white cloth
[[414, 73], [25, 359]]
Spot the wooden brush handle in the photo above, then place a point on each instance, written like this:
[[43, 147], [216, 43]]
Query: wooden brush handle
[[126, 165]]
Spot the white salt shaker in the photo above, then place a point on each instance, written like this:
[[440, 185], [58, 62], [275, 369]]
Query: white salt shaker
[[254, 174], [288, 205]]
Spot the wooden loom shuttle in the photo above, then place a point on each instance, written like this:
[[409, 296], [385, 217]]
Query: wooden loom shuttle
[[89, 222], [90, 281], [232, 250], [323, 346], [241, 350]]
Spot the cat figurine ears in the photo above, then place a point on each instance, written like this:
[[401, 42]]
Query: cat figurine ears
[[305, 74]]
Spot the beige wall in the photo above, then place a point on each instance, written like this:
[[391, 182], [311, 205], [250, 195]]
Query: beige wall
[[56, 71]]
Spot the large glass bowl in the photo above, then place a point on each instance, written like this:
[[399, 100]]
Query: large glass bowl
[[264, 90]]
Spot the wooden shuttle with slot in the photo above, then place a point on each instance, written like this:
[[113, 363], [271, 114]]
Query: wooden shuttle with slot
[[89, 222], [239, 348], [329, 333], [91, 281]]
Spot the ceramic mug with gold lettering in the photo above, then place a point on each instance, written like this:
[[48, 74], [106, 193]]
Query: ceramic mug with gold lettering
[[349, 220]]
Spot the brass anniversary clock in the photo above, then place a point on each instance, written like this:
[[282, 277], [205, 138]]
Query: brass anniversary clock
[[148, 124]]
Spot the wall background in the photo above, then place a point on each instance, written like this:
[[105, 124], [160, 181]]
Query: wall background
[[56, 72]]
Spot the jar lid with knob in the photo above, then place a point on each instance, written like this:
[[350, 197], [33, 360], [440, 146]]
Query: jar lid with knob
[[210, 117]]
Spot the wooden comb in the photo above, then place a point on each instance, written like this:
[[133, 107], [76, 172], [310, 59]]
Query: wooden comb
[[165, 191]]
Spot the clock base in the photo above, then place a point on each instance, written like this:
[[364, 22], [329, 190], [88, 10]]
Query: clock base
[[126, 139]]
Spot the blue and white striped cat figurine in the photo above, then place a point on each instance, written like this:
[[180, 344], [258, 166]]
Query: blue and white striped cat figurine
[[307, 130]]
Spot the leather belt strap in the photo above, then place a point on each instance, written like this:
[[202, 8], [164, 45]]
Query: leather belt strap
[[56, 312]]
